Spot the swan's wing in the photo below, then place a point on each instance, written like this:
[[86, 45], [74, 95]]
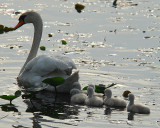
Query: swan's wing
[[68, 61], [43, 65]]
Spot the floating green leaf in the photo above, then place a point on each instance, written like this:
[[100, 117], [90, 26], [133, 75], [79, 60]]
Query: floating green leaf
[[50, 35], [99, 89], [63, 42], [17, 93], [85, 88], [54, 81], [79, 7], [43, 48], [5, 29], [11, 97], [8, 97]]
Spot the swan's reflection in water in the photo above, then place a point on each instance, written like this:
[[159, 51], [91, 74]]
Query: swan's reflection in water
[[48, 104]]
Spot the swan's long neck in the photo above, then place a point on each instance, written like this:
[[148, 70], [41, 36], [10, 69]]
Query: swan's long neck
[[38, 27]]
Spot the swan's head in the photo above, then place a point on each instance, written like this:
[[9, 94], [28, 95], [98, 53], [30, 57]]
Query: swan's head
[[108, 93], [131, 97], [28, 17]]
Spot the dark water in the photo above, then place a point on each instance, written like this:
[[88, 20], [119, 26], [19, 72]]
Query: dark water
[[108, 44]]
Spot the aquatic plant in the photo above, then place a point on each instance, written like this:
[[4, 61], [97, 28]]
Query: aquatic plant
[[43, 48], [100, 88], [63, 42], [5, 29], [11, 97], [54, 81]]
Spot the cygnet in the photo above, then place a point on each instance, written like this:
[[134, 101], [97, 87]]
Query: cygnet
[[136, 108], [77, 97], [93, 100], [113, 102]]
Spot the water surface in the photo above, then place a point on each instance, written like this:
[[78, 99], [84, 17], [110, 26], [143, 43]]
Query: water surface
[[108, 44]]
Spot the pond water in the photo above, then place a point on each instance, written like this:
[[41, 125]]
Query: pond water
[[108, 44]]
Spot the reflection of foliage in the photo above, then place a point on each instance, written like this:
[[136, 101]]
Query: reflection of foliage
[[11, 97], [100, 88], [8, 108], [50, 104], [57, 110]]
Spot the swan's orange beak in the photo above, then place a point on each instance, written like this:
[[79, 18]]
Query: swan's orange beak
[[18, 25]]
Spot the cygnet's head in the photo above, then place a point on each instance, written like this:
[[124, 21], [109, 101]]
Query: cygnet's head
[[131, 97], [108, 93], [90, 92], [91, 85], [77, 85], [74, 91]]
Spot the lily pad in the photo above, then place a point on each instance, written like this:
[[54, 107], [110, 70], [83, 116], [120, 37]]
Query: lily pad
[[8, 97], [54, 81], [43, 48], [79, 7], [17, 93], [100, 88], [11, 97], [63, 42]]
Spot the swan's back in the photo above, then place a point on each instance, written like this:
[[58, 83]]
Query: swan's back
[[42, 67]]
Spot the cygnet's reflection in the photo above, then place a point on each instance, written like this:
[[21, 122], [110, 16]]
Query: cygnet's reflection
[[131, 116]]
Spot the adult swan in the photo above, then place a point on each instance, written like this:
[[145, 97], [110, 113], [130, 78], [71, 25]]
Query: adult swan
[[36, 69]]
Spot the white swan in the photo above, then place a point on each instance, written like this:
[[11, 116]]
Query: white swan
[[93, 100], [77, 97], [36, 69], [113, 102], [136, 108]]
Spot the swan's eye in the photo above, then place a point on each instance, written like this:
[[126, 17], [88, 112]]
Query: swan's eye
[[22, 17]]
